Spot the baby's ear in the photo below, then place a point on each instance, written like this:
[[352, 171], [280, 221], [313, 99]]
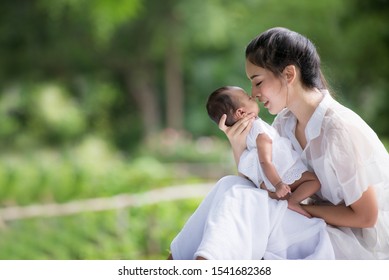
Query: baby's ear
[[240, 113]]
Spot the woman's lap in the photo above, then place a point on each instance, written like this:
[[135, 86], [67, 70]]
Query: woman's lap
[[185, 245], [238, 221]]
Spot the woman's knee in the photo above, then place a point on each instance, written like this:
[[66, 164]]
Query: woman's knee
[[228, 181]]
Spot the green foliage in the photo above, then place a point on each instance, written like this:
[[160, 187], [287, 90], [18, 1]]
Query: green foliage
[[95, 52], [82, 83], [104, 16], [136, 233], [35, 115], [58, 113], [92, 170], [179, 146], [89, 171]]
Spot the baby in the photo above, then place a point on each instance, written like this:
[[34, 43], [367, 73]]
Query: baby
[[269, 160]]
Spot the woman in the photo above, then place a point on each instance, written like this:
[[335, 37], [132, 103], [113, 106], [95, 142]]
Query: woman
[[348, 158]]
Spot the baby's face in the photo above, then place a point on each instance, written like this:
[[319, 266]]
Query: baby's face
[[246, 103]]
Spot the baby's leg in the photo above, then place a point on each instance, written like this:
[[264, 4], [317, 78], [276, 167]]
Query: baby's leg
[[303, 188], [297, 207]]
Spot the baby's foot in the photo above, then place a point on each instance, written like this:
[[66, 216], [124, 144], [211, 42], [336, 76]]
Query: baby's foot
[[297, 207]]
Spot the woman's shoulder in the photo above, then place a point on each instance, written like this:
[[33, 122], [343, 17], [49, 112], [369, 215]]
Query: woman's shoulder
[[345, 129], [340, 118]]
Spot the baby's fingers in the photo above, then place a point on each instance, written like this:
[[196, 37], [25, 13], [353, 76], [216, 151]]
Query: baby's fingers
[[283, 190]]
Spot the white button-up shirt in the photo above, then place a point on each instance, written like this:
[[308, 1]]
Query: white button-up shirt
[[343, 151], [347, 157]]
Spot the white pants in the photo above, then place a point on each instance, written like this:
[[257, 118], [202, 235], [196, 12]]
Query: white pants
[[238, 221]]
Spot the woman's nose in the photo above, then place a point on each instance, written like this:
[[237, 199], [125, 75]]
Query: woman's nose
[[256, 94]]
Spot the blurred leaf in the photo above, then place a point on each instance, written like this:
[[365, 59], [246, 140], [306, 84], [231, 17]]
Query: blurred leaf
[[104, 15]]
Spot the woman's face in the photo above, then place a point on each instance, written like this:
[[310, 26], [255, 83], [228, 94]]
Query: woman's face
[[268, 88]]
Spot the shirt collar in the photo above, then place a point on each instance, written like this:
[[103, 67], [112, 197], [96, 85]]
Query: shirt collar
[[315, 122]]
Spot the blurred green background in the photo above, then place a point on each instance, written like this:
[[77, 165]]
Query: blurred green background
[[103, 98]]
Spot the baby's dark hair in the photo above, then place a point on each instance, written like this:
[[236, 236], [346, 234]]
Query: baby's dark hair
[[219, 103]]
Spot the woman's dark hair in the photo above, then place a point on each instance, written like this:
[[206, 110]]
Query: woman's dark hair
[[219, 103], [279, 47]]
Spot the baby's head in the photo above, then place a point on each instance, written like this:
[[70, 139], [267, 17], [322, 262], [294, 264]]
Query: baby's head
[[232, 101]]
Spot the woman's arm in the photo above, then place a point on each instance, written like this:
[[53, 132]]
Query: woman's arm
[[361, 214], [237, 133]]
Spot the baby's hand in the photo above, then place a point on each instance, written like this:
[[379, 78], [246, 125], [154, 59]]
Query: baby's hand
[[282, 190]]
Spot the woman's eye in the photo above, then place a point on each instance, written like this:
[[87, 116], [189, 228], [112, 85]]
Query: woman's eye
[[258, 84]]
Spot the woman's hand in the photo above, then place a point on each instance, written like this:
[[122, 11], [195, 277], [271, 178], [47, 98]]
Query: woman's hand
[[237, 133], [363, 213]]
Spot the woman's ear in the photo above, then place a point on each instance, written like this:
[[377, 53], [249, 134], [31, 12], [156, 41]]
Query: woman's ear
[[290, 73]]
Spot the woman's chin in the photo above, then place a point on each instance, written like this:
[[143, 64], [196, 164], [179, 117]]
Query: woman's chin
[[272, 112]]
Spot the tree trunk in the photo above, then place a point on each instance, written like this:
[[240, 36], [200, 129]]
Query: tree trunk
[[139, 82], [174, 79]]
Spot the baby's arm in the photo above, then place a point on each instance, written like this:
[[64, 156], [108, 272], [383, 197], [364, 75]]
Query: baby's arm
[[264, 147]]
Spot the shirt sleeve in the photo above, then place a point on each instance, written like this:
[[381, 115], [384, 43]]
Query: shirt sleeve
[[351, 155], [252, 136]]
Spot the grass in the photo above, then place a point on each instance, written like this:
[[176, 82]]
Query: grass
[[136, 233]]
